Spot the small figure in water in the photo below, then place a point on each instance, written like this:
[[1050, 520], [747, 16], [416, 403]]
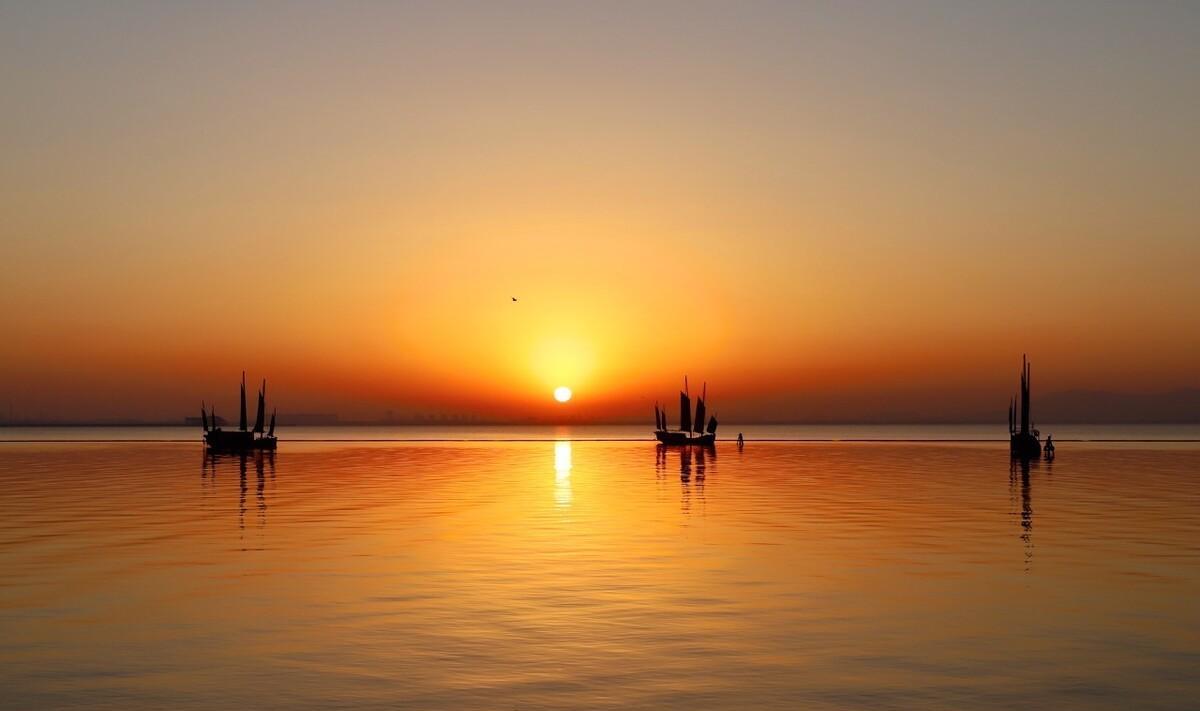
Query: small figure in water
[[741, 441], [1049, 445]]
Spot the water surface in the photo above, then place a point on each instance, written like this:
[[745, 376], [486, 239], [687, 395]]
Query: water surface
[[575, 574], [539, 433]]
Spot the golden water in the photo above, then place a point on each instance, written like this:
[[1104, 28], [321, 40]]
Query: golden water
[[543, 575]]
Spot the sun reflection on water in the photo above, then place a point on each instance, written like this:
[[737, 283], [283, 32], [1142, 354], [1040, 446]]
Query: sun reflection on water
[[828, 574], [562, 473]]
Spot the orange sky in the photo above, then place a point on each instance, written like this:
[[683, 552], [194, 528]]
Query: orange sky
[[827, 211]]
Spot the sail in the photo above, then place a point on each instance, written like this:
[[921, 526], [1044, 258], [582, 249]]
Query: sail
[[261, 416], [1028, 400], [699, 414], [203, 417], [685, 413], [1024, 396], [712, 425], [271, 432], [242, 421], [657, 418]]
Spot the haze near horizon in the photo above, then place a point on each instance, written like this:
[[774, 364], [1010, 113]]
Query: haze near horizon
[[854, 211]]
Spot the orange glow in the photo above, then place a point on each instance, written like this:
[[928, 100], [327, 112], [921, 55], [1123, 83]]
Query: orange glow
[[356, 227]]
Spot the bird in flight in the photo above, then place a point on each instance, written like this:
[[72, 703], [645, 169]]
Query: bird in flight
[[514, 299]]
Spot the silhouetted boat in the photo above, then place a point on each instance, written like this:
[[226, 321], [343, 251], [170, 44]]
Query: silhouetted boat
[[241, 439], [690, 432], [1023, 442]]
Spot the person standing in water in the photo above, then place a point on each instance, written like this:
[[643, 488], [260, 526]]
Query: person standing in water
[[741, 441]]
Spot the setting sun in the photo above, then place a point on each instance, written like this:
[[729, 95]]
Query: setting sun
[[562, 393]]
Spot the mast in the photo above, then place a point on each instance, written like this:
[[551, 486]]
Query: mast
[[241, 423], [1028, 396], [1024, 396], [261, 416]]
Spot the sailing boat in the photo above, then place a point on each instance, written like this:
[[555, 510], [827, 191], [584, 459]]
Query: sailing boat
[[1023, 442], [241, 439], [690, 432]]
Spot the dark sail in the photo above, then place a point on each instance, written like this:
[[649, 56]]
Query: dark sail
[[203, 417], [1023, 440], [271, 432], [1028, 396], [690, 430], [261, 416], [242, 421], [1024, 396]]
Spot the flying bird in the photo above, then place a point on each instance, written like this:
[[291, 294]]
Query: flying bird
[[514, 299]]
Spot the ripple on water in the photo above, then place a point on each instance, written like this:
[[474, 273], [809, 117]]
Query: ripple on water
[[598, 575]]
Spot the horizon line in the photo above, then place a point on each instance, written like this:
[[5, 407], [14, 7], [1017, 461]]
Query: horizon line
[[596, 423], [631, 440]]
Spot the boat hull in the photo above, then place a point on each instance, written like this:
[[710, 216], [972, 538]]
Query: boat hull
[[1025, 445], [683, 439], [237, 441]]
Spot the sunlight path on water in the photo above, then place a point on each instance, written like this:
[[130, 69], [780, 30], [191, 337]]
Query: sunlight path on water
[[575, 574]]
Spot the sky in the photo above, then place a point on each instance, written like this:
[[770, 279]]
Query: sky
[[841, 211]]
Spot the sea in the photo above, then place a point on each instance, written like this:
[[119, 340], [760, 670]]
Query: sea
[[817, 567]]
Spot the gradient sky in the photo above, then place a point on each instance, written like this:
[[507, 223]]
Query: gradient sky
[[844, 210]]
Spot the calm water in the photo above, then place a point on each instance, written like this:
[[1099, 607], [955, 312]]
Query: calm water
[[983, 433], [547, 575]]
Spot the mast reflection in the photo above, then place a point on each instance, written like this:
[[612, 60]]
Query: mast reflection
[[264, 465], [696, 463], [1019, 480]]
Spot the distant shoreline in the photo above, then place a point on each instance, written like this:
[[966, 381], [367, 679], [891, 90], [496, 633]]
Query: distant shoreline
[[481, 425], [648, 440]]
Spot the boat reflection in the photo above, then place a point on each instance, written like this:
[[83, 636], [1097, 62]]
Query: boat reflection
[[1020, 483], [693, 461], [264, 465], [696, 463]]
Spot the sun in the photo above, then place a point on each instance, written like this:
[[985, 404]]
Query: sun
[[562, 393]]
